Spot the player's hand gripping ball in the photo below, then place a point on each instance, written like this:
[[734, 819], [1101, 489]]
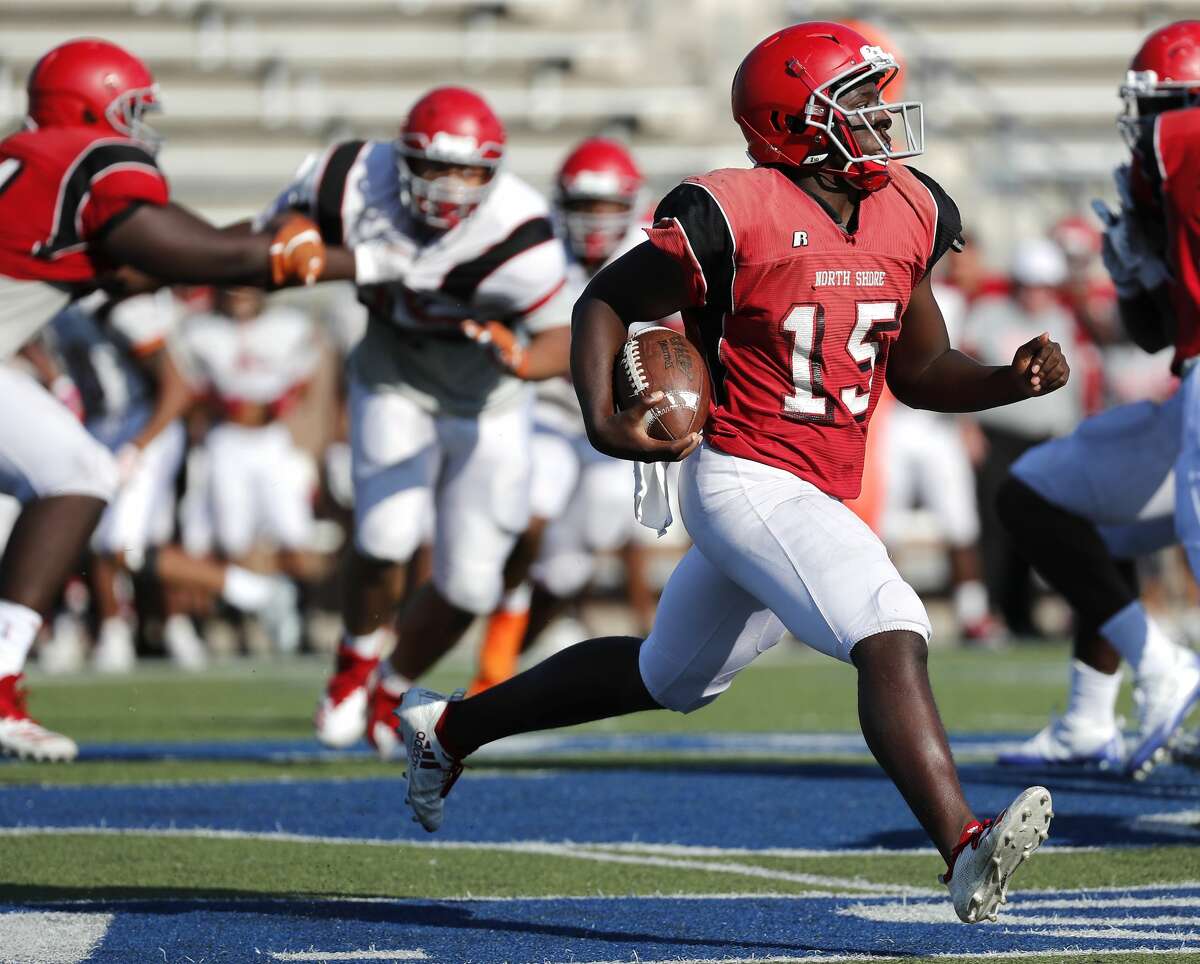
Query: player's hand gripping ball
[[297, 252], [662, 360]]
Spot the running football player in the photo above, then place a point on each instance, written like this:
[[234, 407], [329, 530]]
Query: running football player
[[578, 497], [1125, 482], [439, 409], [806, 281], [80, 196]]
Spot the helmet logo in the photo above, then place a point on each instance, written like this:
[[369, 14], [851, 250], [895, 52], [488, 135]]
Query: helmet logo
[[111, 81], [596, 184], [876, 55], [453, 147]]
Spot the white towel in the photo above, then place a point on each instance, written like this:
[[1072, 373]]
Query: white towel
[[651, 496]]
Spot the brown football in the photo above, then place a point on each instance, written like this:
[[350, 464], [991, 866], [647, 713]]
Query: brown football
[[662, 360]]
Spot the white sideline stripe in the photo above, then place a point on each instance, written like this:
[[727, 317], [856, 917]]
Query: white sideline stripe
[[544, 848], [368, 955], [1186, 818], [1028, 912], [698, 850], [1116, 934], [51, 937], [956, 955]]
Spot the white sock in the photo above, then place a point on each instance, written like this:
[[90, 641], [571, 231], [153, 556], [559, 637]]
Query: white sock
[[19, 627], [370, 645], [1139, 639], [517, 600], [1093, 695], [970, 601], [246, 590], [391, 682]]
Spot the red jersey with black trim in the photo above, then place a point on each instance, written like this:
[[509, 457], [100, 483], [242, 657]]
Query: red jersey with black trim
[[1177, 155], [61, 188], [796, 314]]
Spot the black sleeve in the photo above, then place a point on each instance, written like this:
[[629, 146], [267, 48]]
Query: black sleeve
[[331, 190], [708, 234], [948, 234]]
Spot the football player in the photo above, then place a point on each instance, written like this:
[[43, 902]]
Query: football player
[[439, 409], [1125, 482], [578, 497], [805, 280], [81, 195]]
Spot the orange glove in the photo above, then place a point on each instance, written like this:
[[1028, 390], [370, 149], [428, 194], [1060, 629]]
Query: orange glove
[[297, 252], [506, 350]]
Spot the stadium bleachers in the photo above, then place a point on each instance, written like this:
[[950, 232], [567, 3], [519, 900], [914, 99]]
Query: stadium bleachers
[[1019, 120]]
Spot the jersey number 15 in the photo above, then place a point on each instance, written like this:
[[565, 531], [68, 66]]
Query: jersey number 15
[[811, 399]]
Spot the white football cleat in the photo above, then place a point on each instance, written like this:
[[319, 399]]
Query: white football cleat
[[431, 771], [1068, 742], [183, 644], [989, 853], [341, 717], [114, 652], [1163, 704], [22, 736]]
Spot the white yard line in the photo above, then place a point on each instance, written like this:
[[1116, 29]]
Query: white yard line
[[367, 955], [680, 850], [956, 955]]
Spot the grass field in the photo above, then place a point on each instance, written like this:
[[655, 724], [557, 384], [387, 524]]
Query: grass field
[[202, 823]]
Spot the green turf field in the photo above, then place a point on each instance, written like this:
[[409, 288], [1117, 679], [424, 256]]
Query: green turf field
[[247, 855]]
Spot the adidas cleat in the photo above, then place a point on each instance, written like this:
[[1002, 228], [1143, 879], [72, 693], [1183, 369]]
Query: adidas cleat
[[1163, 703], [1068, 743], [431, 771], [989, 853]]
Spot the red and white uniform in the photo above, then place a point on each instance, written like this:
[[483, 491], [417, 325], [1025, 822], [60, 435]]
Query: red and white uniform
[[260, 484], [435, 424], [1121, 469], [796, 316], [60, 189]]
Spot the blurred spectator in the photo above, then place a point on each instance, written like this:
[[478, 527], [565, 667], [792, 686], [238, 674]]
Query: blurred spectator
[[995, 327]]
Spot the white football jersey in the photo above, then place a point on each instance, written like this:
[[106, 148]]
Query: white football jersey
[[258, 361], [502, 263], [557, 405]]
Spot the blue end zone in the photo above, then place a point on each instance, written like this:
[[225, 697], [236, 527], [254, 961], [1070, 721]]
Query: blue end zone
[[627, 929], [818, 806]]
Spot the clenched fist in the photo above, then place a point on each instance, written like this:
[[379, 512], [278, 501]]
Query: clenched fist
[[297, 252], [1040, 366]]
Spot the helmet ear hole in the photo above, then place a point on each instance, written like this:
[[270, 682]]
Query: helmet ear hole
[[89, 117]]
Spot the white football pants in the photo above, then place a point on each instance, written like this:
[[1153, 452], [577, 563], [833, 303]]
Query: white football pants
[[772, 552]]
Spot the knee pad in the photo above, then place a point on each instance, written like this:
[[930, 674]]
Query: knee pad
[[391, 530], [87, 468], [474, 588], [565, 574], [670, 690]]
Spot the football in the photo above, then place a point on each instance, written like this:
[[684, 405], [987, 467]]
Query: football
[[661, 359]]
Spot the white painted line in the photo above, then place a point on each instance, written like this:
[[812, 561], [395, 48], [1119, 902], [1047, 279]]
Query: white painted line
[[680, 850], [51, 937], [1182, 818], [956, 955], [1029, 912], [368, 955], [1116, 934]]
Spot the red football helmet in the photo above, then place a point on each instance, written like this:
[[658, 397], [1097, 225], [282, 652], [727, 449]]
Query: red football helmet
[[788, 100], [1163, 75], [449, 125], [94, 83], [598, 187]]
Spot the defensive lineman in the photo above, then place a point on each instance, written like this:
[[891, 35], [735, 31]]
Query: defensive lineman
[[806, 280], [440, 417]]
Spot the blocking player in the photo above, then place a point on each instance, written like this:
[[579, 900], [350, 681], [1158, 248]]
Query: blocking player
[[80, 195], [578, 497], [806, 281], [439, 412], [1125, 482]]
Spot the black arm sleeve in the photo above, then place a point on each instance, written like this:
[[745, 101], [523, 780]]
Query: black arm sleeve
[[708, 233], [331, 191], [948, 234]]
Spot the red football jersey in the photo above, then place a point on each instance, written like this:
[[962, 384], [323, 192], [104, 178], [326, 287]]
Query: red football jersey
[[795, 314], [60, 189], [1177, 153]]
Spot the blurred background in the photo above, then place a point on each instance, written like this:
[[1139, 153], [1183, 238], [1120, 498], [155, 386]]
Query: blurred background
[[1020, 99]]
